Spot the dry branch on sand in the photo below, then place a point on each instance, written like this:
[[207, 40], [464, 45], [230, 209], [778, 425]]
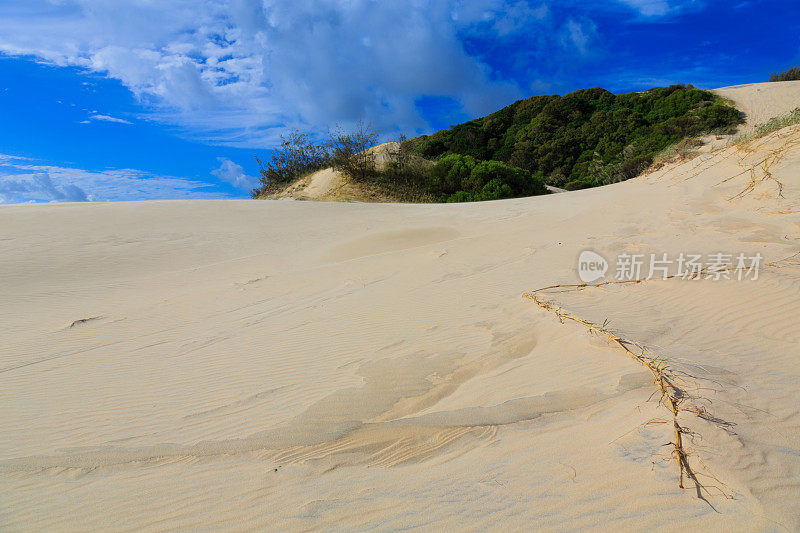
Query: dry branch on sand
[[789, 261], [760, 171], [673, 395]]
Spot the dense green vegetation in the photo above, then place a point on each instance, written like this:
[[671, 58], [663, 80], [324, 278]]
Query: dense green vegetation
[[589, 137], [403, 176], [790, 75], [461, 178]]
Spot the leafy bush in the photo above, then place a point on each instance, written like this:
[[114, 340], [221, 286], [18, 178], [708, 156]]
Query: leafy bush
[[790, 75], [461, 178], [590, 136], [451, 174], [577, 185]]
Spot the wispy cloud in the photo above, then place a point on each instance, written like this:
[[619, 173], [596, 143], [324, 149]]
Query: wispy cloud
[[25, 180], [232, 173], [501, 17], [38, 187], [661, 8], [579, 35], [108, 118], [649, 8]]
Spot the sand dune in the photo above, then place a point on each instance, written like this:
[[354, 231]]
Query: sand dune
[[299, 365], [328, 185], [763, 101]]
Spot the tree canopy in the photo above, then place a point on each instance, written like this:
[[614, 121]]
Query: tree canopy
[[461, 178], [585, 138]]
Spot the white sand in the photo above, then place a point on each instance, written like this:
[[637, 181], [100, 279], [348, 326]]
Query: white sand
[[299, 365], [763, 101]]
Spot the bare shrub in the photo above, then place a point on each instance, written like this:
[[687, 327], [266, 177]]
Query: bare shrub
[[349, 151], [296, 157]]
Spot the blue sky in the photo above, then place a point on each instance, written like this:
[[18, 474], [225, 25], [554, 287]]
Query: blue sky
[[107, 100]]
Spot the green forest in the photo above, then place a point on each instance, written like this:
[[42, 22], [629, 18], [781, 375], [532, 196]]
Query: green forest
[[586, 138]]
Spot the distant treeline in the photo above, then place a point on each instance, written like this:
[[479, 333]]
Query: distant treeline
[[790, 75], [586, 138], [401, 175]]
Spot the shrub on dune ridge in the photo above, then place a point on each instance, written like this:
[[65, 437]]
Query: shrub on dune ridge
[[297, 156], [349, 151], [346, 151], [792, 74]]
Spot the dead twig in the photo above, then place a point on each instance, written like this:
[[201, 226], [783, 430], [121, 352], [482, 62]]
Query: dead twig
[[672, 395]]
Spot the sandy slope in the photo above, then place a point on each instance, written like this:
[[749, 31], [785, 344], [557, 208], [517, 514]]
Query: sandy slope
[[305, 365], [763, 101]]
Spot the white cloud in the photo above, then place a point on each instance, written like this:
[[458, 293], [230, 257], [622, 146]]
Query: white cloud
[[25, 180], [107, 118], [504, 17], [648, 8], [242, 71], [660, 8], [232, 173], [39, 186], [579, 35]]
